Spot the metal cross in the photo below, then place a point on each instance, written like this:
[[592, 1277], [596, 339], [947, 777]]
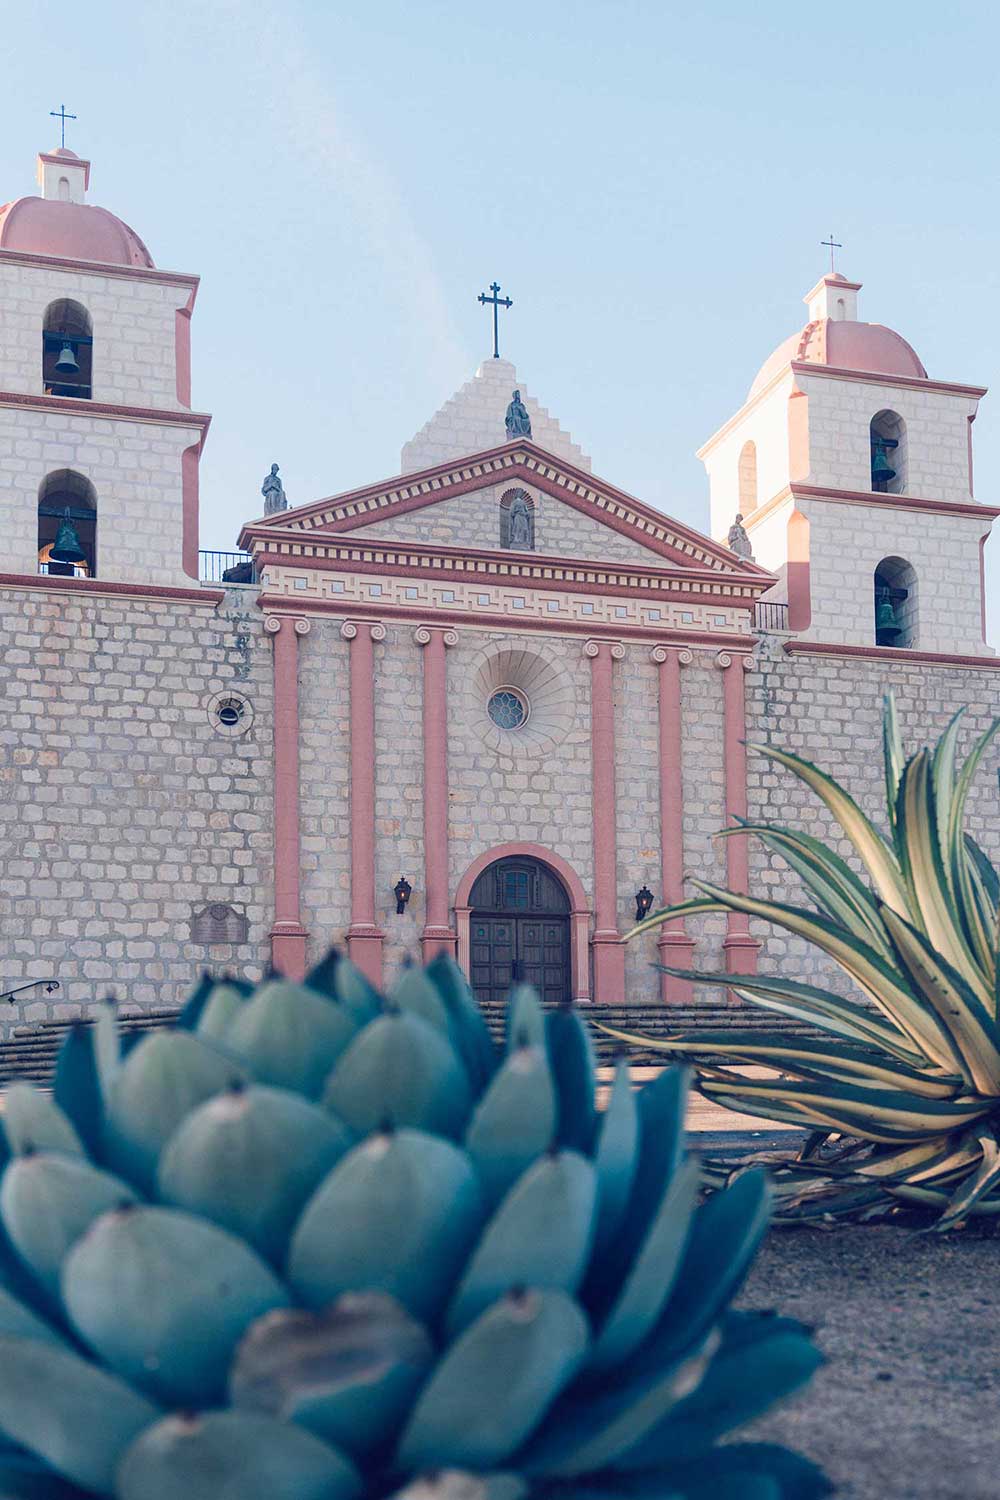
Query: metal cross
[[496, 301], [61, 115], [833, 245]]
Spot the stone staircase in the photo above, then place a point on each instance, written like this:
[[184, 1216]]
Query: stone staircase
[[29, 1054]]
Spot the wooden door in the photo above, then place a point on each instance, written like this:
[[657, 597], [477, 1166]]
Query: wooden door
[[519, 932]]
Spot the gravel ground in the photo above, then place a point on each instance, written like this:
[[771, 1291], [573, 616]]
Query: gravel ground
[[908, 1406]]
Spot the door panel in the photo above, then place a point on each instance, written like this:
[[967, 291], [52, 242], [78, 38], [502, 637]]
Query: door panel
[[525, 950]]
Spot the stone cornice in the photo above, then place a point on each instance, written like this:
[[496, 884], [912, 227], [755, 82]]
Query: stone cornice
[[893, 654], [512, 462], [169, 416], [98, 268], [871, 498], [876, 377], [96, 587]]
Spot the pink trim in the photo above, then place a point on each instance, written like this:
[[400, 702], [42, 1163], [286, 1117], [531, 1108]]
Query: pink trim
[[739, 947], [892, 502], [982, 583], [190, 460], [364, 937], [437, 934], [54, 159], [165, 416], [673, 944], [446, 618], [876, 377], [890, 653], [971, 419], [579, 907], [798, 580], [288, 936], [609, 952], [834, 279], [182, 350], [97, 268], [96, 586]]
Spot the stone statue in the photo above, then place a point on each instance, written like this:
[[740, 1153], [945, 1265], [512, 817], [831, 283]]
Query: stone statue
[[519, 525], [273, 491], [518, 422], [738, 541]]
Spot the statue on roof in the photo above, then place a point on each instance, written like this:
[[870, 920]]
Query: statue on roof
[[273, 491], [738, 541], [518, 422]]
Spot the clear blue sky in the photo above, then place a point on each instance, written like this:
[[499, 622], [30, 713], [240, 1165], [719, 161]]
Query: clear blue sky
[[649, 181]]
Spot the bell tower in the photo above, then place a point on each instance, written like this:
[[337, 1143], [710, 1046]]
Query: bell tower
[[852, 469], [95, 393]]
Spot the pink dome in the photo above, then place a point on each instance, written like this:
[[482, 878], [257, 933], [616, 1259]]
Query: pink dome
[[867, 347], [71, 231]]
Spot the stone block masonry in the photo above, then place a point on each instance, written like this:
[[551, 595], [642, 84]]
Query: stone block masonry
[[124, 809]]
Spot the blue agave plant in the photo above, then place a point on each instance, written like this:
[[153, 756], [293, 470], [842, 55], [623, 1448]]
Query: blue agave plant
[[316, 1245]]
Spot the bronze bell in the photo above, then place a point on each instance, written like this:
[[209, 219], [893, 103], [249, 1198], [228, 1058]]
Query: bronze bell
[[882, 470], [66, 547], [67, 364], [887, 627]]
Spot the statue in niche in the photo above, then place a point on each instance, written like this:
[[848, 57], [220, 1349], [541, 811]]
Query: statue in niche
[[518, 422], [738, 541], [520, 525], [273, 491]]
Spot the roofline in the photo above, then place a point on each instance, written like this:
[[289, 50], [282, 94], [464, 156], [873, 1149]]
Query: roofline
[[97, 267], [167, 416]]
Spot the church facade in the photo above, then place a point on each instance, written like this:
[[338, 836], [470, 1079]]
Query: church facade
[[491, 704]]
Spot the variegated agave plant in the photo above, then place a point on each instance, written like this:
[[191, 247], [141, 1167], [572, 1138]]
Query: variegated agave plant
[[901, 1095], [314, 1245]]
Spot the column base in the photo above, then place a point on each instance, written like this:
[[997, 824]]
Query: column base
[[741, 952], [609, 968], [288, 949], [437, 940], [364, 949], [677, 950]]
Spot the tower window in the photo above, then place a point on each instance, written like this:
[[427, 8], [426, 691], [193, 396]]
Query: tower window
[[887, 443], [748, 479], [67, 350], [895, 603], [67, 526]]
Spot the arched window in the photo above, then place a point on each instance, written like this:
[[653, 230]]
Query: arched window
[[841, 309], [67, 525], [748, 479], [64, 189], [517, 521], [67, 350], [887, 441], [895, 603]]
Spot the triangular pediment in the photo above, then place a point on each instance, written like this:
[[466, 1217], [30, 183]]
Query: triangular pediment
[[456, 505]]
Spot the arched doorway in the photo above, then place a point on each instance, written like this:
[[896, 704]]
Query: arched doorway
[[519, 930]]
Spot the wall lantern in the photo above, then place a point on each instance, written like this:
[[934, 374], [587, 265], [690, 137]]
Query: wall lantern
[[643, 901], [402, 891]]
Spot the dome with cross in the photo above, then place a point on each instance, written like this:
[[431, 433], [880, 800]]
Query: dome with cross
[[63, 224]]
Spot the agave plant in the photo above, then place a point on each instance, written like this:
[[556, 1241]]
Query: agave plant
[[901, 1092], [314, 1245]]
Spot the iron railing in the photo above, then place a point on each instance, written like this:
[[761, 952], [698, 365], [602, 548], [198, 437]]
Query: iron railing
[[770, 616], [227, 567]]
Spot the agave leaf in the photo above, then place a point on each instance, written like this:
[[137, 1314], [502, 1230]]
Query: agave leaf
[[190, 1012], [856, 1109], [470, 1035], [514, 1120], [974, 1034], [875, 854], [24, 1477], [76, 1087], [883, 984], [34, 1122], [415, 993], [983, 1180], [893, 754], [695, 906], [616, 1158], [979, 914], [726, 1474], [985, 870], [571, 1058], [402, 1070], [524, 1022], [47, 1202]]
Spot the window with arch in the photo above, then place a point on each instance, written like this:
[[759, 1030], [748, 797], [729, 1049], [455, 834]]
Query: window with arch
[[67, 350], [895, 603], [748, 479], [67, 525], [517, 521], [887, 443]]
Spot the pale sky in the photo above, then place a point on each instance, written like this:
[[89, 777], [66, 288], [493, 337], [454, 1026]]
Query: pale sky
[[649, 181]]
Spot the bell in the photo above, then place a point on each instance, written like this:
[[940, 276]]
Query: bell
[[66, 364], [887, 627], [882, 470], [66, 547]]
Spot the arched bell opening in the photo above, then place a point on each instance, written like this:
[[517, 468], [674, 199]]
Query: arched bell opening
[[895, 603], [67, 350], [67, 526], [887, 447]]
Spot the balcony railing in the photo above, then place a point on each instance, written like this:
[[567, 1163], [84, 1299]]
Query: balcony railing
[[227, 567], [768, 616]]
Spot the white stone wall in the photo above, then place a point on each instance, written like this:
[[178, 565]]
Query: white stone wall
[[847, 542], [764, 423], [124, 809], [135, 467], [473, 520], [474, 419], [134, 351]]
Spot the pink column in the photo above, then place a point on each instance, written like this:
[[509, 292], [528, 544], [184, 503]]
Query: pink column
[[437, 933], [364, 936], [673, 944], [609, 954], [288, 936], [739, 947]]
